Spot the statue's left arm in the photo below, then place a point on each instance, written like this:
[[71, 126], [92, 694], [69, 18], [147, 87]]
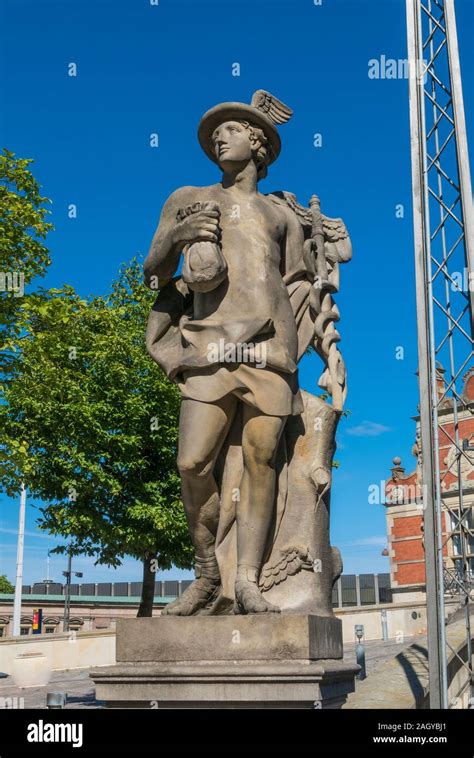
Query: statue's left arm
[[292, 253]]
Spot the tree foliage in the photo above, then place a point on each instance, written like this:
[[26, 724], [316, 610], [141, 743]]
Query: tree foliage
[[90, 426], [6, 588], [23, 256]]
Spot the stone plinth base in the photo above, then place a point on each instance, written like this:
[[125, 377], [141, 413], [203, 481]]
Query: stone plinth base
[[255, 661], [238, 684]]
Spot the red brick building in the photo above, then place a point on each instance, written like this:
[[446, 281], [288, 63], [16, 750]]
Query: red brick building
[[404, 504]]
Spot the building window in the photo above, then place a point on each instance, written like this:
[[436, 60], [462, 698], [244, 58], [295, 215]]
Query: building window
[[348, 586], [24, 631], [50, 624], [75, 624], [469, 569], [2, 631], [456, 539]]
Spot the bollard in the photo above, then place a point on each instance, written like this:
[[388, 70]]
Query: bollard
[[360, 651], [56, 699]]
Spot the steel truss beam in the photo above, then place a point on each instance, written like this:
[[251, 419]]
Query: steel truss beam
[[444, 256]]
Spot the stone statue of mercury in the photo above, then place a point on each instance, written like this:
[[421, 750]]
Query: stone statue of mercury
[[256, 241], [259, 240]]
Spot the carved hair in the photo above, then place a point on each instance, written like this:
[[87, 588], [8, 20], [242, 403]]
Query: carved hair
[[260, 147], [262, 154]]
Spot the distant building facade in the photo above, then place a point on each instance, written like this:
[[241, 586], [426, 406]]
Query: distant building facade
[[404, 503], [98, 606]]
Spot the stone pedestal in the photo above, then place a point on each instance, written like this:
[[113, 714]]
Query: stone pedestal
[[255, 661]]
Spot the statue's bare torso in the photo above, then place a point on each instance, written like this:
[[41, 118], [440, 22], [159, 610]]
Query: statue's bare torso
[[254, 232]]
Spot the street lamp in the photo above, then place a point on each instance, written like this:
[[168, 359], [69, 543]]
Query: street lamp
[[67, 591]]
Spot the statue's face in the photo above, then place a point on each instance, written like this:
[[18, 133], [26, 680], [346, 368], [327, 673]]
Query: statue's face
[[232, 143]]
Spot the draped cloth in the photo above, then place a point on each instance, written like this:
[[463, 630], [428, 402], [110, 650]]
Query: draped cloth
[[180, 347]]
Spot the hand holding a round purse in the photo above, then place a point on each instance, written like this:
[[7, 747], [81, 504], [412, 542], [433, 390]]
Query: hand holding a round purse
[[204, 266], [198, 226]]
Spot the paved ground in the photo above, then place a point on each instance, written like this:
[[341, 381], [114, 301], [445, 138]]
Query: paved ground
[[377, 651], [402, 680], [80, 689], [76, 683]]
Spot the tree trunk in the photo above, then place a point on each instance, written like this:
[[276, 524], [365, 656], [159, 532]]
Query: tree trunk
[[148, 588]]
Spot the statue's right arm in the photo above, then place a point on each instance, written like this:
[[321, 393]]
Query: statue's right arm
[[172, 235], [165, 250]]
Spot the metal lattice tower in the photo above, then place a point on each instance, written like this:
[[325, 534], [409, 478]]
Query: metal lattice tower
[[444, 262]]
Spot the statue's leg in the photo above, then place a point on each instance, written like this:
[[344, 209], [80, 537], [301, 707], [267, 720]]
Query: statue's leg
[[260, 438], [203, 428]]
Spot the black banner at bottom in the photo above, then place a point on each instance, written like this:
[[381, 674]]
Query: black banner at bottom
[[211, 731]]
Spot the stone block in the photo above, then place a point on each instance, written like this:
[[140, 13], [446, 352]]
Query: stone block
[[269, 637]]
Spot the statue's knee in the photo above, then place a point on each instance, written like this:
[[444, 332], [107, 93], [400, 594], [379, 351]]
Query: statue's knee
[[192, 466], [257, 454]]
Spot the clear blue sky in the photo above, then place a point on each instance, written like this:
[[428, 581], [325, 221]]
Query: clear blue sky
[[145, 69]]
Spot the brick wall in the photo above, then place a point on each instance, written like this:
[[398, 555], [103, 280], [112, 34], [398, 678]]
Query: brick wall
[[406, 526], [408, 550], [410, 573]]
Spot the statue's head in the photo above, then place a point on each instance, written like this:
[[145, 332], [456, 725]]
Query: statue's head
[[236, 132], [240, 141]]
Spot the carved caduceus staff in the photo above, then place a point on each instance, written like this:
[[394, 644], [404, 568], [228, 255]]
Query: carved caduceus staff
[[326, 336], [326, 246]]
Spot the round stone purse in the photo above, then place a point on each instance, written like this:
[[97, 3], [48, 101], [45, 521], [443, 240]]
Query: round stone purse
[[204, 266]]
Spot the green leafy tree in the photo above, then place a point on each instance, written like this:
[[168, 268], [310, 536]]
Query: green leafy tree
[[6, 588], [90, 425], [23, 256]]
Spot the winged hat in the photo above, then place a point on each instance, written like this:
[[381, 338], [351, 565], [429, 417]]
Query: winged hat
[[264, 111]]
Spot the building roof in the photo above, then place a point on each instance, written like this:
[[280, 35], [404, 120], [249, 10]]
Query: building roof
[[81, 599]]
